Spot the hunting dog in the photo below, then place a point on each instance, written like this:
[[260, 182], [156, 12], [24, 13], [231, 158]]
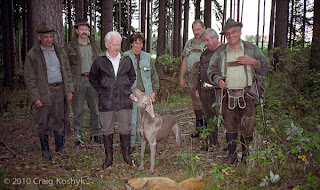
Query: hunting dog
[[156, 183], [154, 128]]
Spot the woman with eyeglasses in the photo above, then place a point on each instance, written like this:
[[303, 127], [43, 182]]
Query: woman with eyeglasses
[[147, 80]]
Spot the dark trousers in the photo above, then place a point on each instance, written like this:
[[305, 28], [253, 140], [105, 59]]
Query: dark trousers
[[50, 117]]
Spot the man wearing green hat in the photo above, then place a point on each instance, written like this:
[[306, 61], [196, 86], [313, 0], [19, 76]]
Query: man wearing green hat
[[49, 83], [82, 50], [233, 68]]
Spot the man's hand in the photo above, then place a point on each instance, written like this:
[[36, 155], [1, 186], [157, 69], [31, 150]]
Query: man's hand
[[70, 95], [38, 103], [246, 60], [222, 84], [153, 96], [197, 94], [183, 84]]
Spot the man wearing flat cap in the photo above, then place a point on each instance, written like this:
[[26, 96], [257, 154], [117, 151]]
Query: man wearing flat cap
[[82, 50], [49, 83], [232, 68]]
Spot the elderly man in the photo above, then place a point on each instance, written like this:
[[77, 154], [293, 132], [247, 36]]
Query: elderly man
[[112, 75], [82, 50], [205, 91], [232, 68], [49, 83], [191, 54]]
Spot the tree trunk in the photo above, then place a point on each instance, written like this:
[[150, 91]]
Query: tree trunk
[[224, 19], [231, 6], [175, 29], [180, 25], [69, 20], [264, 22], [85, 8], [106, 20], [161, 45], [315, 46], [24, 31], [304, 22], [238, 11], [79, 9], [143, 15], [281, 31], [207, 13], [185, 22], [197, 9], [8, 42], [271, 29], [258, 23], [30, 36], [149, 27], [291, 24]]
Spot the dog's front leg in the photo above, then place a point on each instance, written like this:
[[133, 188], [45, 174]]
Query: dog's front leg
[[143, 149], [153, 147]]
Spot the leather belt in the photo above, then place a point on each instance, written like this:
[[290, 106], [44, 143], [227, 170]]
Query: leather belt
[[56, 84], [85, 75]]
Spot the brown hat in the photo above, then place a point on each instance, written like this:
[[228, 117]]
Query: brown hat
[[229, 24], [44, 28], [82, 21]]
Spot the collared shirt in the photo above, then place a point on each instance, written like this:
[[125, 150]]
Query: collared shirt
[[53, 65], [115, 62], [193, 57], [86, 56], [236, 75]]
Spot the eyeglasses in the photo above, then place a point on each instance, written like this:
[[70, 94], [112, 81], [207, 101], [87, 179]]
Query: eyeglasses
[[140, 34]]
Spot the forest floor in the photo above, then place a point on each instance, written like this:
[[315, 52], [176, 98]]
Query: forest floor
[[21, 165]]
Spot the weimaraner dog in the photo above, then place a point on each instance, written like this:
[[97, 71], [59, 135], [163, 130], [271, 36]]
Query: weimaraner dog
[[154, 128]]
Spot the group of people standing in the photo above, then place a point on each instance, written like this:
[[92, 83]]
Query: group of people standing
[[80, 73]]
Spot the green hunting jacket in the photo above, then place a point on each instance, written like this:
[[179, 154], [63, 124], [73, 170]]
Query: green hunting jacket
[[74, 56], [215, 65], [35, 73]]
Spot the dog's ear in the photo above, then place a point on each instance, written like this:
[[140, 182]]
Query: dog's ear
[[133, 98], [149, 108]]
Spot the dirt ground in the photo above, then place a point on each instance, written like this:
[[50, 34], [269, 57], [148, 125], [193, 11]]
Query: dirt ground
[[21, 165]]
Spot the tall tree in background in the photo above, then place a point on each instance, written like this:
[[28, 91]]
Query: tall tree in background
[[161, 41], [291, 28], [8, 41], [197, 9], [258, 23], [143, 18], [80, 9], [106, 20], [149, 26], [180, 26], [176, 29], [304, 22], [207, 13], [30, 37], [24, 43], [143, 15], [281, 30], [52, 16], [70, 26], [315, 46], [185, 22], [271, 29]]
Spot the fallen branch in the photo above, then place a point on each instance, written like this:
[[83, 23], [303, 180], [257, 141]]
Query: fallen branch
[[11, 150]]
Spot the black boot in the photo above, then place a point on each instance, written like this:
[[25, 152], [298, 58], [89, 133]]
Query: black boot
[[245, 141], [232, 145], [96, 139], [125, 146], [199, 124], [59, 141], [214, 136], [44, 141], [108, 143]]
